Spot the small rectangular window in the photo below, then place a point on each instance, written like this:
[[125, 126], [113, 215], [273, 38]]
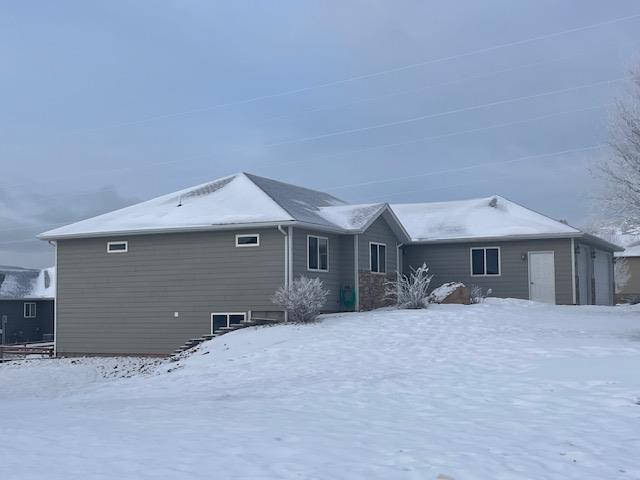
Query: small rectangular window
[[117, 247], [317, 253], [29, 310], [378, 257], [485, 261], [252, 240]]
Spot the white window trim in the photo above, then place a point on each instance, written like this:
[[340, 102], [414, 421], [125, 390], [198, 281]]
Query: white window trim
[[499, 274], [24, 308], [240, 235], [309, 269], [126, 246], [385, 258], [244, 315]]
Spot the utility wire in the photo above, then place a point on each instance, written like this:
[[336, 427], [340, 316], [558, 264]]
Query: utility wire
[[367, 76]]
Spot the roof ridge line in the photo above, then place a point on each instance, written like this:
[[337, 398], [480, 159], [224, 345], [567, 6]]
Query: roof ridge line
[[284, 209]]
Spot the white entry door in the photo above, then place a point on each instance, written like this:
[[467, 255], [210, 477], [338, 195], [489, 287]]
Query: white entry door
[[601, 272], [542, 277]]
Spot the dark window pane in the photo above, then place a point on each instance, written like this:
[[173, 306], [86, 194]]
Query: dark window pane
[[219, 321], [477, 262], [374, 258], [382, 256], [117, 247], [324, 253], [235, 319], [492, 261], [248, 240], [313, 253]]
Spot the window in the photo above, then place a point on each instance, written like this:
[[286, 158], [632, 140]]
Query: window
[[377, 257], [485, 261], [252, 240], [317, 253], [29, 310], [117, 247], [219, 320]]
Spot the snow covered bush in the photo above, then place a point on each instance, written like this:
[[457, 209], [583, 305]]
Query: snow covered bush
[[302, 299], [411, 291], [478, 294]]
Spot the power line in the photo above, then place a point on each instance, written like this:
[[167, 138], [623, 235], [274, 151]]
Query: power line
[[470, 167], [341, 132], [447, 112], [367, 75]]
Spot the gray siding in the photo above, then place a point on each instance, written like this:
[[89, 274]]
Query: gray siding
[[124, 303], [341, 267], [451, 263], [379, 232]]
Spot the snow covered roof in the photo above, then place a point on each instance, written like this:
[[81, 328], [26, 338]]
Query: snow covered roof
[[27, 283], [474, 219], [631, 250], [240, 199]]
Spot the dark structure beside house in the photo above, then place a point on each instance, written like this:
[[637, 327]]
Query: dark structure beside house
[[26, 305]]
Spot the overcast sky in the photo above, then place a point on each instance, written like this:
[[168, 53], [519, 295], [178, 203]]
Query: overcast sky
[[104, 104]]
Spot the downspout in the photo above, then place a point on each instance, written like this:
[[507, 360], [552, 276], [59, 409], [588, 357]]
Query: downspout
[[398, 269], [54, 244], [286, 262], [286, 254], [356, 277], [573, 270]]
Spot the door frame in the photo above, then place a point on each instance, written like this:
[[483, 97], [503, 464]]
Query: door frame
[[553, 254], [244, 314]]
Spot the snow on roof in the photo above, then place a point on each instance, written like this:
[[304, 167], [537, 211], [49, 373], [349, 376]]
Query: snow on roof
[[352, 217], [27, 283], [229, 200], [478, 218], [631, 250]]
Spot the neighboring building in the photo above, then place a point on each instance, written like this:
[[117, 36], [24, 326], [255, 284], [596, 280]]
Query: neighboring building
[[629, 291], [143, 279], [26, 304]]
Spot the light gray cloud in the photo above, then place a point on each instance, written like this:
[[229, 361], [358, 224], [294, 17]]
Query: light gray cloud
[[94, 88]]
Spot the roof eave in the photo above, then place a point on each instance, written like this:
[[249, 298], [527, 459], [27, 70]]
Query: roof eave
[[497, 238], [602, 243]]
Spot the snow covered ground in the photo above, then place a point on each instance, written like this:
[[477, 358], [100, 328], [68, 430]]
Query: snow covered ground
[[503, 390]]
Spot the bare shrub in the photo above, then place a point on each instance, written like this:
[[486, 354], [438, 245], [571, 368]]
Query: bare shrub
[[477, 294], [411, 291], [302, 299]]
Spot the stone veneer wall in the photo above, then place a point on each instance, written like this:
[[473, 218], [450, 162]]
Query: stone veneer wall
[[371, 290]]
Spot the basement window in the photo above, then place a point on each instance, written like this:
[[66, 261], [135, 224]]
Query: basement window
[[377, 257], [29, 310], [317, 254], [485, 261], [117, 247], [252, 240]]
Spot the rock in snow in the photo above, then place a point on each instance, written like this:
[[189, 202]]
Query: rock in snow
[[452, 292], [505, 389]]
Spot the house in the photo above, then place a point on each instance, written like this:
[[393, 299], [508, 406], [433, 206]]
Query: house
[[143, 279], [516, 252], [26, 304], [629, 291]]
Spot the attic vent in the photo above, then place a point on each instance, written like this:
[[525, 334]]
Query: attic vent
[[2, 277], [47, 279], [493, 203], [562, 220]]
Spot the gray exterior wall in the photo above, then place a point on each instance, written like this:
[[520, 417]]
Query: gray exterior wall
[[20, 329], [379, 232], [124, 303], [451, 263], [631, 290], [341, 267]]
